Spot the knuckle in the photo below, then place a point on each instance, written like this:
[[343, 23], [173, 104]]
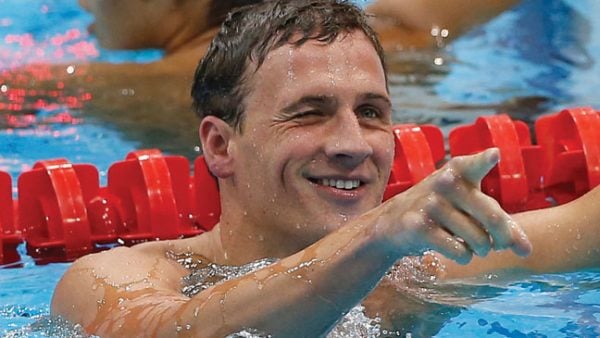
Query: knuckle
[[495, 221], [414, 221], [433, 204], [457, 162], [446, 181]]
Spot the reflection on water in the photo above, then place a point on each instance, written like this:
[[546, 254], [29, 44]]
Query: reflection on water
[[532, 60]]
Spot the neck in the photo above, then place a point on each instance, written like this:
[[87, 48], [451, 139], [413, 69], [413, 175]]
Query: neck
[[237, 243]]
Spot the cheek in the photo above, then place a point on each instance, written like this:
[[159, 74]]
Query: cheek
[[383, 149]]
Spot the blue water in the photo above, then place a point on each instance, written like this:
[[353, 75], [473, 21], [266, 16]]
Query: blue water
[[532, 60]]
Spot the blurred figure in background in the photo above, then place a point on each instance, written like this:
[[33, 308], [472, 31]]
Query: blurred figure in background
[[150, 102]]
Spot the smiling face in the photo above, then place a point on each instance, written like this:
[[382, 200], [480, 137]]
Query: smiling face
[[316, 146]]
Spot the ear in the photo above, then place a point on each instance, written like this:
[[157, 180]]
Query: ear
[[216, 136]]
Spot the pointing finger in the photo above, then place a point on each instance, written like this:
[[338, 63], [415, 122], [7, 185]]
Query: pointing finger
[[474, 168]]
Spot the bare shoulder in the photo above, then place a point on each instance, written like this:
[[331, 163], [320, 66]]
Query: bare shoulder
[[101, 279]]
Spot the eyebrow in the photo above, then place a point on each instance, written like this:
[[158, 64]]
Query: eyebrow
[[325, 100], [375, 96], [311, 100]]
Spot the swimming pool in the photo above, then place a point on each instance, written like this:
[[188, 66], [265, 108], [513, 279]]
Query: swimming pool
[[542, 54]]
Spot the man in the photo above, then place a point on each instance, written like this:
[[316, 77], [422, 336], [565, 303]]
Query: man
[[296, 126]]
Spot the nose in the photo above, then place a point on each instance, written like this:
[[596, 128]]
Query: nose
[[345, 143]]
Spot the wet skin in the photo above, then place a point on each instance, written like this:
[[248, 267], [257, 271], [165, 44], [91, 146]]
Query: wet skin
[[301, 133]]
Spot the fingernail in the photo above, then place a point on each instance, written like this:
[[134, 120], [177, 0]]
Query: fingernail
[[493, 155]]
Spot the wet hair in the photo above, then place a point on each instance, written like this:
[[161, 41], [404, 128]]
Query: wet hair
[[251, 32]]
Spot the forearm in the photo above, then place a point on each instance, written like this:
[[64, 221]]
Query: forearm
[[457, 16], [564, 238]]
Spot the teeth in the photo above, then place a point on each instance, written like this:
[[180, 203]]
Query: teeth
[[341, 184]]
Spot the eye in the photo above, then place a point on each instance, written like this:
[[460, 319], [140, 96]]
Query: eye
[[369, 113], [308, 114]]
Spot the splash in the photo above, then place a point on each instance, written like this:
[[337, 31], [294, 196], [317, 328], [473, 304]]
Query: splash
[[204, 274], [49, 326]]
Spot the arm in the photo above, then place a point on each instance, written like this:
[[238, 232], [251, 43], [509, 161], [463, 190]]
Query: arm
[[409, 22], [564, 238], [123, 290]]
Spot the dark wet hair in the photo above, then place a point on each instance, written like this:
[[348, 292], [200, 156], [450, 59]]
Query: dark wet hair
[[251, 32]]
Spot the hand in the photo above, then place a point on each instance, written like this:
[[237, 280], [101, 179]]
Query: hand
[[447, 212]]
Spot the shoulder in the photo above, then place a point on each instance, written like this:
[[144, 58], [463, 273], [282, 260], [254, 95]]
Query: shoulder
[[97, 278]]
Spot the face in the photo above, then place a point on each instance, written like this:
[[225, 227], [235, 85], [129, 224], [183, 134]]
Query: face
[[316, 146], [129, 24]]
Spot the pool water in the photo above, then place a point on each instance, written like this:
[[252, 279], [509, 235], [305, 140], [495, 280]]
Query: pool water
[[535, 59]]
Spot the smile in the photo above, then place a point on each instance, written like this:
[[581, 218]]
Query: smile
[[339, 184]]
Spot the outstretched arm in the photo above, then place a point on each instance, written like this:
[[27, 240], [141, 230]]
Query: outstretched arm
[[564, 238], [123, 291], [409, 22]]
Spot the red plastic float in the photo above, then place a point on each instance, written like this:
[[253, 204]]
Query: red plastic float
[[64, 213], [153, 195], [417, 150], [52, 209], [571, 144], [516, 181]]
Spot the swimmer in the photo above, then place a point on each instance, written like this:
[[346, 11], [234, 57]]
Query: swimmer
[[296, 125], [149, 102]]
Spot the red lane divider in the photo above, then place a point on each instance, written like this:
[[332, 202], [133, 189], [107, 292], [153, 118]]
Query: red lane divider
[[417, 150], [571, 143], [62, 212], [154, 196], [52, 210], [10, 238], [516, 181]]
